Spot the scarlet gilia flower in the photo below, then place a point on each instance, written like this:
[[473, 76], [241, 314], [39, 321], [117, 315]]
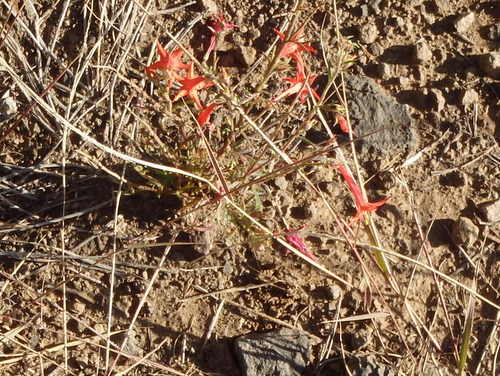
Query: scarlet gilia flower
[[191, 84], [362, 205], [296, 241], [169, 62], [217, 25], [299, 87], [293, 47], [204, 116]]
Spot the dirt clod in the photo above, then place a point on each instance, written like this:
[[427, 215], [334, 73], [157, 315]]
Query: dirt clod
[[368, 33], [464, 232]]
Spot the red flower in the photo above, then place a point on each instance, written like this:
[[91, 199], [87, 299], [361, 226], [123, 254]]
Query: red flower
[[190, 86], [296, 241], [343, 124], [293, 47], [361, 204], [299, 87], [171, 63], [204, 116], [217, 25]]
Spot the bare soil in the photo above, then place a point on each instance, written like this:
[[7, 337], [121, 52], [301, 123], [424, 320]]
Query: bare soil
[[224, 277]]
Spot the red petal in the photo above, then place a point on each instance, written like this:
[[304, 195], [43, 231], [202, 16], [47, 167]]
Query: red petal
[[296, 241], [161, 51], [344, 126], [361, 204], [204, 116], [280, 34]]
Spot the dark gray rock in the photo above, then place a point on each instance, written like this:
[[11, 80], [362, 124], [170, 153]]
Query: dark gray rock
[[368, 367], [371, 110], [281, 353]]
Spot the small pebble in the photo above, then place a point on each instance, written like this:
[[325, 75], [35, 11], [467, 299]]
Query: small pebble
[[228, 268], [77, 307], [404, 82], [464, 22], [368, 33], [490, 64], [490, 210], [375, 5], [376, 49], [401, 23], [364, 10], [384, 71], [8, 106], [469, 97], [209, 5], [421, 53], [464, 232], [494, 32], [335, 292]]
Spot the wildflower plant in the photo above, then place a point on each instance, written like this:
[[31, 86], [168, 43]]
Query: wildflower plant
[[253, 143]]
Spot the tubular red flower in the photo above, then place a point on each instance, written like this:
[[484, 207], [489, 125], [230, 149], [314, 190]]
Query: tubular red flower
[[299, 87], [204, 116], [343, 124], [362, 205], [216, 26], [191, 85], [169, 62], [296, 241], [293, 47]]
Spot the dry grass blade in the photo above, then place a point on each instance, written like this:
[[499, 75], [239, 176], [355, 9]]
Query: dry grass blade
[[368, 316], [225, 291], [53, 348], [466, 335]]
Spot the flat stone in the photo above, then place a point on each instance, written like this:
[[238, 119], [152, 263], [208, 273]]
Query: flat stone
[[371, 110], [280, 353], [464, 232], [464, 22], [490, 210], [490, 64]]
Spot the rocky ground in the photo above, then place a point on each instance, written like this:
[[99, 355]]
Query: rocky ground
[[78, 219]]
